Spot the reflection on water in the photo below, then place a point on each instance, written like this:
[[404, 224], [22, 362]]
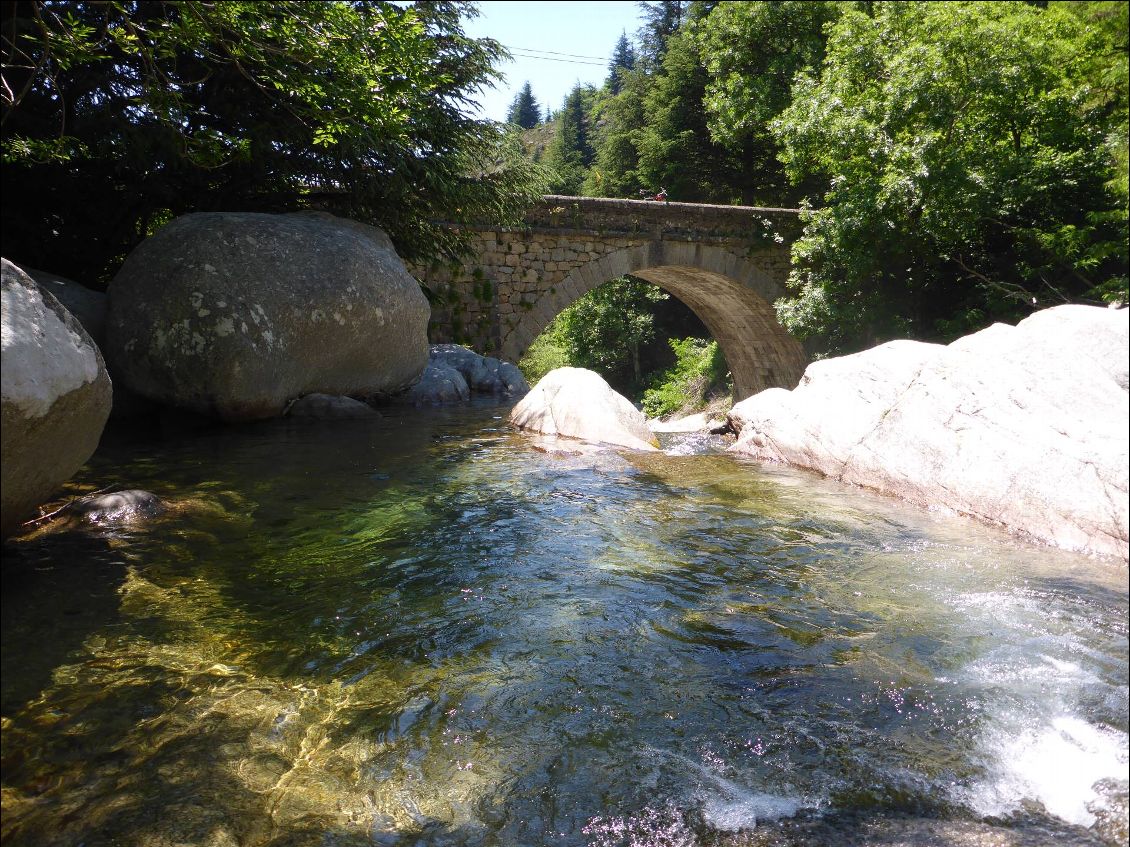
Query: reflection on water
[[422, 630]]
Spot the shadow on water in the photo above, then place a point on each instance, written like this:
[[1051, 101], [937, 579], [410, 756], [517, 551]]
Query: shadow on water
[[73, 577]]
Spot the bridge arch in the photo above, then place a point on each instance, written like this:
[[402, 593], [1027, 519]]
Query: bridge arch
[[726, 263], [729, 294]]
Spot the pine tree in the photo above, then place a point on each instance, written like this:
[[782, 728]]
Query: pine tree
[[572, 153], [623, 60], [661, 21], [675, 148], [524, 111]]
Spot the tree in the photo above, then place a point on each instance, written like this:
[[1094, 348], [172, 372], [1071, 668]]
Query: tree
[[661, 21], [752, 51], [969, 178], [524, 111], [607, 329], [1107, 66], [675, 150], [120, 115], [571, 153], [620, 121], [623, 60]]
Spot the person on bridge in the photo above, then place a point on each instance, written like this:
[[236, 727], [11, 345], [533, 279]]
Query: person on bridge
[[662, 195]]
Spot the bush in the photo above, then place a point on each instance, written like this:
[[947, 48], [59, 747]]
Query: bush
[[548, 351], [699, 372]]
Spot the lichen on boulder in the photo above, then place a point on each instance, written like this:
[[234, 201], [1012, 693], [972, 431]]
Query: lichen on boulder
[[234, 315]]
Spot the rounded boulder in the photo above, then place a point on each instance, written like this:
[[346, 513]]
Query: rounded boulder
[[234, 315], [56, 396], [578, 403]]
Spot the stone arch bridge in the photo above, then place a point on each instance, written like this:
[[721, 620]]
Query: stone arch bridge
[[727, 263]]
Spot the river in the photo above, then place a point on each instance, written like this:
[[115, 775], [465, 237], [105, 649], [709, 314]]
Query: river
[[430, 630]]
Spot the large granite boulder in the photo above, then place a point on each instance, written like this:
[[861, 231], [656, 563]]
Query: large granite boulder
[[56, 397], [1024, 427], [236, 314], [578, 403]]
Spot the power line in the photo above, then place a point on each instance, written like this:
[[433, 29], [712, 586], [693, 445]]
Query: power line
[[552, 59], [554, 52]]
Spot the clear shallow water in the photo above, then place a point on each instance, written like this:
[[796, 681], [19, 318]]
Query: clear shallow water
[[429, 630]]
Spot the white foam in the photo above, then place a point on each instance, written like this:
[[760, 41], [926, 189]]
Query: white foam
[[735, 813], [726, 805], [1056, 764]]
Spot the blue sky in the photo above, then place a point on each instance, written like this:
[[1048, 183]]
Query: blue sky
[[585, 31]]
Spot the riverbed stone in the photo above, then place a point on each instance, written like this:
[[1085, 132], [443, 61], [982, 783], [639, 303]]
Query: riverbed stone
[[330, 407], [578, 403], [1023, 427], [440, 385], [120, 507], [483, 374], [455, 373], [234, 315], [56, 396]]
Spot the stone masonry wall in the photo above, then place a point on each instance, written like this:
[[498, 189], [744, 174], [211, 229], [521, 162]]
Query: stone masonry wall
[[532, 271]]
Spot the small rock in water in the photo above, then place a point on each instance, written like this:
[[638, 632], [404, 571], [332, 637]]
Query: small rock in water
[[119, 507]]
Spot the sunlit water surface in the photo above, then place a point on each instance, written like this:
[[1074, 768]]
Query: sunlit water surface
[[430, 630]]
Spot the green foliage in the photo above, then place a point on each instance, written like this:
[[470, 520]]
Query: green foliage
[[548, 352], [571, 152], [752, 53], [969, 178], [662, 19], [623, 60], [619, 121], [622, 330], [524, 111], [675, 149], [1106, 64], [607, 329], [119, 113], [699, 370]]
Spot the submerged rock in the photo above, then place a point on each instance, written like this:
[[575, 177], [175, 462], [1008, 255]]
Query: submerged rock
[[577, 403], [56, 397], [1024, 427], [233, 315], [121, 507], [330, 406]]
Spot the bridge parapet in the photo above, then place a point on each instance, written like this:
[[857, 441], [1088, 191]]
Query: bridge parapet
[[651, 219]]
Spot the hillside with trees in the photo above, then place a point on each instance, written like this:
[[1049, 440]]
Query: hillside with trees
[[958, 163]]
